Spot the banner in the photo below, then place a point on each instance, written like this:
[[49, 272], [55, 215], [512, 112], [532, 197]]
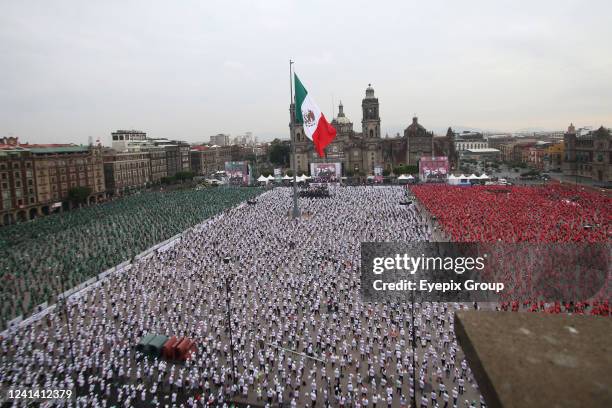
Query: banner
[[237, 173], [433, 168], [378, 174], [278, 175], [325, 172], [250, 172]]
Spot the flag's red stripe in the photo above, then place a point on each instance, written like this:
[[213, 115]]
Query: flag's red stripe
[[323, 135]]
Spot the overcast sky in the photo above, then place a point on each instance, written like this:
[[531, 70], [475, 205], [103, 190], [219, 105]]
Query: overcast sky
[[190, 69]]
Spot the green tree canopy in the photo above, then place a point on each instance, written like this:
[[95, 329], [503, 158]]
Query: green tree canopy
[[184, 175], [279, 153], [79, 194]]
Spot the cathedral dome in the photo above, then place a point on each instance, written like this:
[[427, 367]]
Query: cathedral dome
[[415, 125], [341, 118]]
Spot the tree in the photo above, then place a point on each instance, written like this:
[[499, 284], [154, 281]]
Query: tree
[[412, 169], [183, 175], [279, 153], [79, 195], [386, 173], [167, 180], [290, 173], [405, 169]]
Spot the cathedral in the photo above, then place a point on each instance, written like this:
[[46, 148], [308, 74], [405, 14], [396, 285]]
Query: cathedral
[[360, 152]]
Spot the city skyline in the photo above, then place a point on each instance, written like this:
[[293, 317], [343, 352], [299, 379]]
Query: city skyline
[[191, 71]]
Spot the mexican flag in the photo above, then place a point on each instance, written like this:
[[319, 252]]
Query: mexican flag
[[308, 114]]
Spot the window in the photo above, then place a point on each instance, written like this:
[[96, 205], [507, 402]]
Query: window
[[371, 133]]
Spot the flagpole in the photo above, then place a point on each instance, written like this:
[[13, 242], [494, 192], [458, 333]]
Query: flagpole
[[296, 210]]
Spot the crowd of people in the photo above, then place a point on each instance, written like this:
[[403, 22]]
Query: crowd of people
[[552, 229], [39, 258], [315, 192], [302, 335], [553, 213]]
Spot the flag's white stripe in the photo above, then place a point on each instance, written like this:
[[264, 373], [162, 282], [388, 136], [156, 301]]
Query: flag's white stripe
[[309, 105]]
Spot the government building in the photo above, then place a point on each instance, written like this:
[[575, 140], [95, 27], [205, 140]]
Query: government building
[[588, 155], [360, 152]]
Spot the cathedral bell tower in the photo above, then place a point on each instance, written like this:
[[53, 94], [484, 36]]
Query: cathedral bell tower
[[371, 121]]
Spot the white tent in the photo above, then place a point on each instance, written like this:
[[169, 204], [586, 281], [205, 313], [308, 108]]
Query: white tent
[[454, 180], [462, 176], [484, 177], [410, 177], [270, 178], [286, 177], [262, 179], [403, 177], [473, 177]]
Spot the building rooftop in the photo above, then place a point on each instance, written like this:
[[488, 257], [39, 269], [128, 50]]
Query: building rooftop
[[485, 150], [58, 149]]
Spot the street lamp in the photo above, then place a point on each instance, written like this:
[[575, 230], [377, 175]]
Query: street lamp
[[413, 398], [228, 280]]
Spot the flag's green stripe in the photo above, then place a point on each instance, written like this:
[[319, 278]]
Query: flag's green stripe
[[300, 95]]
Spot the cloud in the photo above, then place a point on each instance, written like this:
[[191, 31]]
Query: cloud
[[194, 68]]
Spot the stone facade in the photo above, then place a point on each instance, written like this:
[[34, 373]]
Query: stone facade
[[126, 170], [420, 142], [206, 160], [177, 155], [35, 179], [589, 155], [470, 140], [158, 167], [360, 152]]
